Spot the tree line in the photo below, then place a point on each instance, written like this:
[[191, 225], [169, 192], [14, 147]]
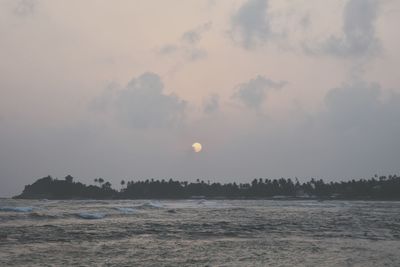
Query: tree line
[[377, 187], [383, 187]]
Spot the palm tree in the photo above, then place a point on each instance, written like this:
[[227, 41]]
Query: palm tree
[[69, 178]]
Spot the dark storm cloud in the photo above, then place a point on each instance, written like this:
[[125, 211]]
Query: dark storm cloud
[[251, 24], [359, 37], [211, 104], [253, 92]]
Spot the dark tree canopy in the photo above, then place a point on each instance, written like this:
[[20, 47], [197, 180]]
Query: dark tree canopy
[[375, 188], [69, 178]]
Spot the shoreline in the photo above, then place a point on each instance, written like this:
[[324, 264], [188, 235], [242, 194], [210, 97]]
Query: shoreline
[[217, 198], [374, 189]]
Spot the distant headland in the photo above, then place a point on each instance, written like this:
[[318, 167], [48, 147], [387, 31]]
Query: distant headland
[[375, 188]]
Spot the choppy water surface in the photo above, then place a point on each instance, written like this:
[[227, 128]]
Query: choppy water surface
[[199, 233]]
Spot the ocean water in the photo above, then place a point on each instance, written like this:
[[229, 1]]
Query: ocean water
[[199, 233]]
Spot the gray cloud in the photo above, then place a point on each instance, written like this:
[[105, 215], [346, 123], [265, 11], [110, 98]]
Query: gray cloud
[[305, 21], [360, 129], [194, 54], [211, 3], [189, 53], [168, 49], [358, 37], [102, 102], [211, 104], [353, 105], [253, 92], [363, 107], [188, 48], [194, 36], [24, 7], [250, 24], [355, 136], [143, 104]]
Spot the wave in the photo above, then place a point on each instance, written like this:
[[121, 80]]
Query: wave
[[36, 215], [152, 204], [91, 215], [17, 209], [205, 202], [126, 210]]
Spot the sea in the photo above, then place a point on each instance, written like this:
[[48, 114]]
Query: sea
[[199, 232]]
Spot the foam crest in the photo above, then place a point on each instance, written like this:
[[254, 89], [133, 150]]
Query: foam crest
[[152, 204]]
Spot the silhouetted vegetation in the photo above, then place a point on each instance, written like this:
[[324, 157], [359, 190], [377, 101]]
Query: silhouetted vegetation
[[375, 188], [50, 188]]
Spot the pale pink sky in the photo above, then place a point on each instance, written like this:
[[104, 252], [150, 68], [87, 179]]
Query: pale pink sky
[[271, 88]]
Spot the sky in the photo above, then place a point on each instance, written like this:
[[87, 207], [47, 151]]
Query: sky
[[270, 88]]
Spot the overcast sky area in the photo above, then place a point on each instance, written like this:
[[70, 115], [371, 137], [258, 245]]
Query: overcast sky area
[[270, 88]]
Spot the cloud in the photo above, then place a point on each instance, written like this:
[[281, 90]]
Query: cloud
[[352, 104], [253, 92], [211, 3], [355, 135], [211, 104], [305, 21], [195, 54], [188, 47], [251, 24], [168, 49], [189, 53], [358, 131], [102, 102], [24, 7], [362, 106], [194, 36], [359, 38], [142, 103]]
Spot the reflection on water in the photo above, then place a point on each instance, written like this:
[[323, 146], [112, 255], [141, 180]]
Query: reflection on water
[[199, 232]]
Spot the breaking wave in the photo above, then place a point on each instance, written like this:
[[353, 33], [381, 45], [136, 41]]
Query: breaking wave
[[152, 204]]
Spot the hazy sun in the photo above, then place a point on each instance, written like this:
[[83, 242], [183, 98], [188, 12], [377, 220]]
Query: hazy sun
[[196, 147]]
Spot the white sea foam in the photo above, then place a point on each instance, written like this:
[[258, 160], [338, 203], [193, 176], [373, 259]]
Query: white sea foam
[[152, 204], [201, 201], [17, 209], [205, 202], [91, 215], [155, 204]]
